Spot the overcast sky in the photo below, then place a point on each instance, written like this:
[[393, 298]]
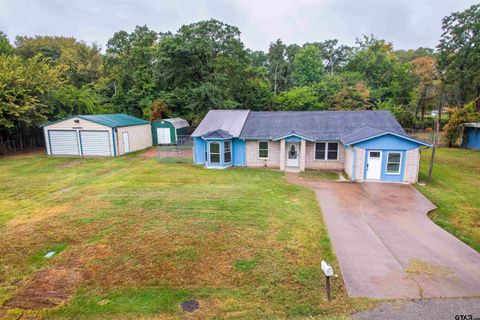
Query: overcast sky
[[407, 23]]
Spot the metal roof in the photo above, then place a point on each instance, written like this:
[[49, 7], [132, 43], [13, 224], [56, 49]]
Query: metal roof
[[318, 125], [472, 125], [108, 120], [217, 134], [230, 121], [177, 123]]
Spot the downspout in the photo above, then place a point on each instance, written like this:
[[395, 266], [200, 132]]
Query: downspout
[[354, 163]]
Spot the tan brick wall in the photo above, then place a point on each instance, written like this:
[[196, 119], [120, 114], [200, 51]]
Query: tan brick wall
[[359, 164], [254, 161], [412, 164], [348, 162], [311, 163], [140, 137]]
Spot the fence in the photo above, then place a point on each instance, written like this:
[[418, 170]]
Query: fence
[[181, 152]]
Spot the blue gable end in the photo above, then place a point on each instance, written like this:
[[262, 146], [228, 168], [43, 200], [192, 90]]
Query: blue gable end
[[388, 142]]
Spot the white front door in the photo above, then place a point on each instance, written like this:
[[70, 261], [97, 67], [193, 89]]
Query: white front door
[[293, 159], [163, 136], [374, 165], [126, 142]]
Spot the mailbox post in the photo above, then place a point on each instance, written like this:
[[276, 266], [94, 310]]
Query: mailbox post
[[328, 270]]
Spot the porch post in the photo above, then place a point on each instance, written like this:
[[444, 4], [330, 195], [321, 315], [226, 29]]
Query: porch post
[[282, 154], [303, 153]]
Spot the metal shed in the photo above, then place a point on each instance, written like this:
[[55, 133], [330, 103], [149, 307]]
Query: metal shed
[[167, 131], [471, 136], [97, 135]]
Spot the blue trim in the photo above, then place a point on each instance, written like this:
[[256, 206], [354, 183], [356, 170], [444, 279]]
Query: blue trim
[[114, 146], [394, 134], [49, 142], [293, 135], [80, 139]]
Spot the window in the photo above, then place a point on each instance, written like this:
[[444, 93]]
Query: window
[[214, 152], [292, 154], [227, 152], [326, 151], [320, 150], [374, 154], [263, 149], [393, 162]]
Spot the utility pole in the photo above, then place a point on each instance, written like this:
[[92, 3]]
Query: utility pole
[[436, 129]]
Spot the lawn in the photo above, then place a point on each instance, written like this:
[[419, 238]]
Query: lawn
[[319, 175], [455, 190], [135, 238]]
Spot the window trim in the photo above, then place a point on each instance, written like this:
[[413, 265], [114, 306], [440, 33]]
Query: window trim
[[268, 150], [399, 164], [229, 151], [210, 152], [326, 151]]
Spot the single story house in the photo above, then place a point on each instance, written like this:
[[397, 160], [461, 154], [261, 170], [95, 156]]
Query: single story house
[[471, 136], [367, 145], [97, 135], [167, 131]]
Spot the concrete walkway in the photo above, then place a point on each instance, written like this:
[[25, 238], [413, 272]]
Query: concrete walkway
[[387, 246]]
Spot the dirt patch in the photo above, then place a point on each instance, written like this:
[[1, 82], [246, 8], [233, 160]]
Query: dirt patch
[[70, 164], [420, 266]]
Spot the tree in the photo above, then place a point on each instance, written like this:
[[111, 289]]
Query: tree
[[70, 100], [80, 63], [25, 86], [280, 65], [308, 66], [459, 52], [335, 56], [427, 91], [459, 116], [5, 47], [297, 99]]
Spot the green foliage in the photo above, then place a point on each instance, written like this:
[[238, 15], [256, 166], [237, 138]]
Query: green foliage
[[308, 66], [5, 47], [459, 116], [459, 52], [297, 99], [25, 86], [68, 100]]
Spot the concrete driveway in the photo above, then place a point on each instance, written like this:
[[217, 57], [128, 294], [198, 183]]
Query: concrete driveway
[[387, 246]]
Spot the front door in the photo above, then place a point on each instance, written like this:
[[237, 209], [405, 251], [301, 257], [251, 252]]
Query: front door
[[374, 165], [293, 159], [126, 142]]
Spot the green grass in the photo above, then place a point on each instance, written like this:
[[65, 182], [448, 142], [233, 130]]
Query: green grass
[[146, 236], [455, 190], [319, 175]]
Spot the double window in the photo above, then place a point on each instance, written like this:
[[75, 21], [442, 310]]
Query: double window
[[326, 151], [394, 159], [214, 152], [227, 151], [263, 149]]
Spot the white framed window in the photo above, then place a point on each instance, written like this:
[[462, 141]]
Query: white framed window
[[263, 149], [214, 152], [326, 151], [394, 162], [227, 151]]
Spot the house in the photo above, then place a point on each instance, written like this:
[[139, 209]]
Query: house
[[471, 136], [367, 145], [97, 135], [167, 131]]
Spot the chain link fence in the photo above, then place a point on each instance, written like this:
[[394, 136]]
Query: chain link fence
[[182, 152]]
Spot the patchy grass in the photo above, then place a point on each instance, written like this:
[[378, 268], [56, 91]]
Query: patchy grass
[[455, 191], [420, 266], [135, 238], [319, 175]]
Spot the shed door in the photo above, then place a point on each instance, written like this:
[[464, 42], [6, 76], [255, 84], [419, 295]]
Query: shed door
[[95, 143], [63, 142], [374, 165], [163, 135]]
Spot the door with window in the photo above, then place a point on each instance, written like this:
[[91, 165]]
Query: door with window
[[374, 165], [293, 159]]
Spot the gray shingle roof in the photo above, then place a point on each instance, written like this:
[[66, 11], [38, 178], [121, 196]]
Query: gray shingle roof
[[319, 125], [230, 121]]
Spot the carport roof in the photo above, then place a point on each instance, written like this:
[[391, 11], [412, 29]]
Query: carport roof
[[108, 120]]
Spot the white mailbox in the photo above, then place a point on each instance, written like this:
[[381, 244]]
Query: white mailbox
[[327, 268]]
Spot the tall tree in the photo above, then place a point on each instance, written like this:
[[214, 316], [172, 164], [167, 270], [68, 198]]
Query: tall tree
[[427, 91], [459, 52], [335, 56], [308, 66], [5, 47]]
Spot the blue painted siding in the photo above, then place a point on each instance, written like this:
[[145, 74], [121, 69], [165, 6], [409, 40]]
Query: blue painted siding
[[471, 139], [293, 139], [239, 152], [388, 142], [383, 173], [198, 151]]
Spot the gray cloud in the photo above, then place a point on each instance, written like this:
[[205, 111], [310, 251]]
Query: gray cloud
[[407, 23]]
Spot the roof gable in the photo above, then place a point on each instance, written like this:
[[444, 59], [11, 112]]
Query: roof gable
[[230, 121], [217, 134]]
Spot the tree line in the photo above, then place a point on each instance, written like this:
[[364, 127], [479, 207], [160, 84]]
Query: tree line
[[205, 65]]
